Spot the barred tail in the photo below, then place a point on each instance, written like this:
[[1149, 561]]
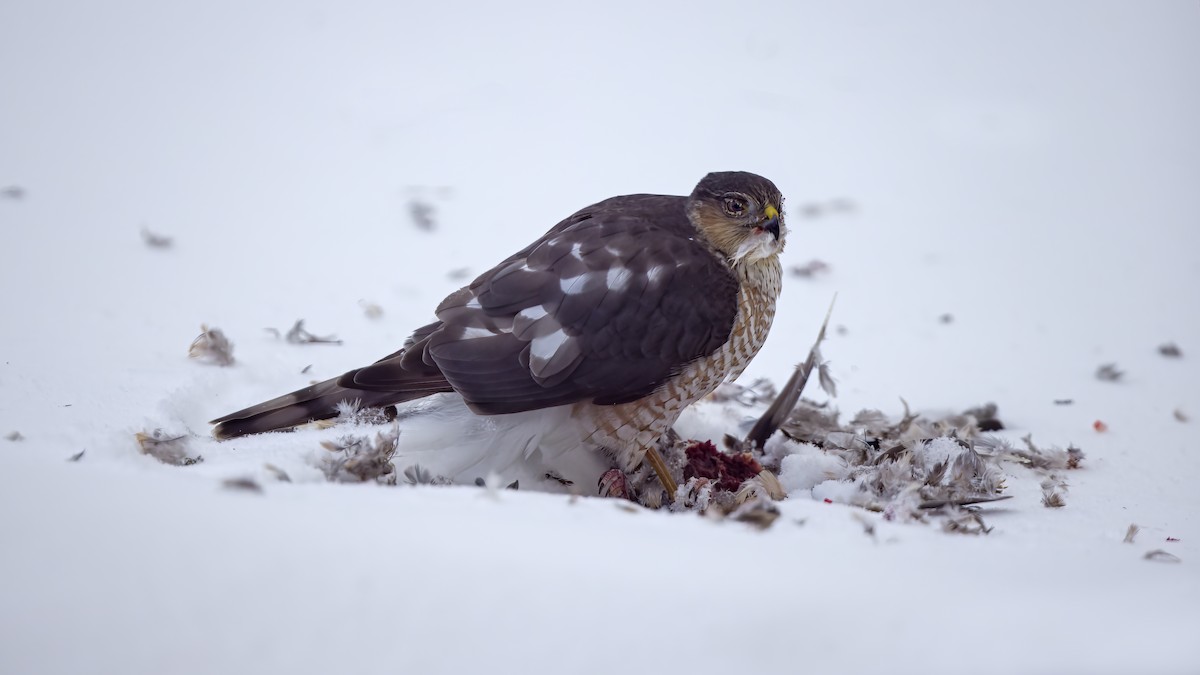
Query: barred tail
[[315, 402]]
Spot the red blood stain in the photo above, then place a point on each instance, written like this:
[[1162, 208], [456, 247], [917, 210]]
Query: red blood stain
[[728, 472]]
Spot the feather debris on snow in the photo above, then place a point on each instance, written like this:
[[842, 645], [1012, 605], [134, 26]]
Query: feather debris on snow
[[810, 269], [781, 408], [370, 309], [280, 474], [171, 450], [1160, 555], [359, 459], [1131, 533], [212, 347], [759, 512], [297, 335], [1170, 350], [242, 484], [1180, 415], [913, 469], [14, 436], [422, 216], [419, 475], [1053, 490], [158, 241], [353, 412], [1109, 373]]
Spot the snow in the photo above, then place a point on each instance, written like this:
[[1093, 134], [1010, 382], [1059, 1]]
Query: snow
[[1028, 170]]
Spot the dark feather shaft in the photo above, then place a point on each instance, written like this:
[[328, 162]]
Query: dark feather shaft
[[786, 401]]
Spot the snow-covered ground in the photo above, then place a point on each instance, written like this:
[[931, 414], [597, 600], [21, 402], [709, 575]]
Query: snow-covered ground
[[1030, 171]]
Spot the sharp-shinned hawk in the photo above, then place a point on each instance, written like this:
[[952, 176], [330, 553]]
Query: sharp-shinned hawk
[[606, 327]]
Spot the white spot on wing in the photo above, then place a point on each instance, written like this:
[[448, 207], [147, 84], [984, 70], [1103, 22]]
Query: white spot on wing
[[617, 278], [531, 321], [543, 348], [573, 285], [473, 303], [472, 332], [655, 273], [532, 314], [577, 251]]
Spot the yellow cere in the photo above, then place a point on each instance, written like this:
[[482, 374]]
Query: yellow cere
[[771, 211]]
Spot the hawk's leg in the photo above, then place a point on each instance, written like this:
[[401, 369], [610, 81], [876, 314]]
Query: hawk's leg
[[614, 483], [655, 460]]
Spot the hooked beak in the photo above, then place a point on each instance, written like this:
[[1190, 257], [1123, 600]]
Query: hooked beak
[[771, 224]]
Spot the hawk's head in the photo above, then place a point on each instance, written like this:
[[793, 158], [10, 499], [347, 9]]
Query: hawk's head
[[740, 213]]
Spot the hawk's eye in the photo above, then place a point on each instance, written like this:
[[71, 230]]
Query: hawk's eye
[[735, 206]]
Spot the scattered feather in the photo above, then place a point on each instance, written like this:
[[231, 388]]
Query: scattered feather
[[1063, 401], [299, 336], [811, 210], [243, 484], [14, 436], [761, 513], [279, 473], [1052, 499], [964, 521], [422, 214], [868, 525], [825, 379], [419, 475], [77, 456], [946, 318], [370, 309], [305, 369], [1180, 415], [158, 241], [810, 269], [351, 411], [212, 347], [458, 273], [1131, 533], [696, 494], [1109, 373], [969, 501], [13, 192], [171, 450], [1159, 555], [1170, 350], [843, 205], [1074, 457], [1036, 457], [781, 408], [359, 459]]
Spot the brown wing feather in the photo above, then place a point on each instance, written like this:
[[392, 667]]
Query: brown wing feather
[[605, 307]]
